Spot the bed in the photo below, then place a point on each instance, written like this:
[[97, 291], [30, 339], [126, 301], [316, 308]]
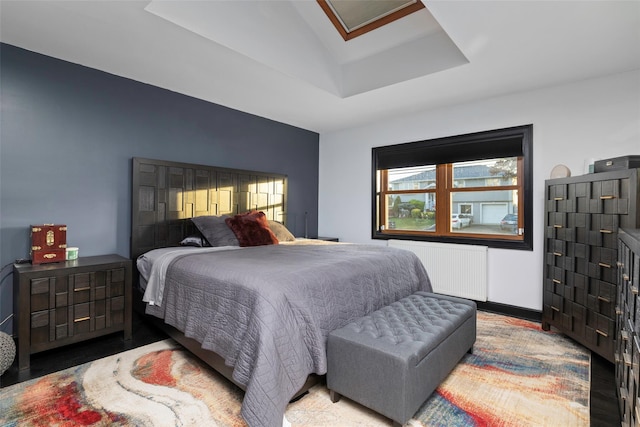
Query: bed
[[258, 314]]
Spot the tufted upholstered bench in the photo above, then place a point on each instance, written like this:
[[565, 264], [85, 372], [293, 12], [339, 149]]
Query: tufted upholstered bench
[[393, 359]]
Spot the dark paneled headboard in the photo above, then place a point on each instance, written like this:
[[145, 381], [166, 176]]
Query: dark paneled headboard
[[165, 195]]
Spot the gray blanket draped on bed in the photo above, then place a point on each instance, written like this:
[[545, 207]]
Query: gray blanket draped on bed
[[267, 310]]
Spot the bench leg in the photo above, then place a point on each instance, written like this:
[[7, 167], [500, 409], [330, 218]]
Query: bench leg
[[470, 351], [334, 396]]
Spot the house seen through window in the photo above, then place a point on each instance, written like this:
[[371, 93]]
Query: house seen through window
[[477, 191]]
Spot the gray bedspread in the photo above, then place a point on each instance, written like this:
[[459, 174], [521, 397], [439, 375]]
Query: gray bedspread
[[267, 310]]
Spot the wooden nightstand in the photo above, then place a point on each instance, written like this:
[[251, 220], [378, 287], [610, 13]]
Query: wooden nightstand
[[63, 303]]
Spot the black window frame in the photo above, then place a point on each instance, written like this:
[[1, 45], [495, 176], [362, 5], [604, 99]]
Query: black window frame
[[507, 142]]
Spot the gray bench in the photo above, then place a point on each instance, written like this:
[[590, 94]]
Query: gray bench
[[393, 359]]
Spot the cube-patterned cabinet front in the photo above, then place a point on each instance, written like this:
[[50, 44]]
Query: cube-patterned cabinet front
[[63, 303], [627, 346], [582, 217]]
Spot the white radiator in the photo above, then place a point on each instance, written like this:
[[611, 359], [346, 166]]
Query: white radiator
[[456, 270]]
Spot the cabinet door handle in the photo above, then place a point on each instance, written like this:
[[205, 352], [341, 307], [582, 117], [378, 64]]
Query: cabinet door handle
[[603, 231], [634, 290], [603, 299], [558, 198], [602, 264], [604, 334], [625, 277], [555, 309], [606, 197], [87, 288], [556, 281], [620, 264], [557, 254], [82, 319], [624, 395], [557, 226]]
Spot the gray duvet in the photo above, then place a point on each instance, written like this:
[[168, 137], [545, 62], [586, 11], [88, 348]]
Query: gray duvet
[[267, 310]]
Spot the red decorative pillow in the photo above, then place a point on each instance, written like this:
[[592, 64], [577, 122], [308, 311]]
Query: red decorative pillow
[[252, 229]]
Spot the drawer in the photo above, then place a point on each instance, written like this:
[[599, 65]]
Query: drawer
[[605, 223], [604, 257], [557, 219], [557, 192], [65, 322], [602, 325], [558, 247], [557, 274], [602, 271]]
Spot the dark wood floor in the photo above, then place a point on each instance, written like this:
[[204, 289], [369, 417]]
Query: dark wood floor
[[604, 403]]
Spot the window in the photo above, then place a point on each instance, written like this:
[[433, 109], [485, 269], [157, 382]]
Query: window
[[474, 189], [355, 18]]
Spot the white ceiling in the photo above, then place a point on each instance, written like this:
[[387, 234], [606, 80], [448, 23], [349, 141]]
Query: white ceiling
[[284, 60]]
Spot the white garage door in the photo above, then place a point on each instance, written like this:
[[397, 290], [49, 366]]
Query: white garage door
[[493, 213]]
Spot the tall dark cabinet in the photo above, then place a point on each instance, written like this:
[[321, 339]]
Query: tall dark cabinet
[[627, 352], [582, 218]]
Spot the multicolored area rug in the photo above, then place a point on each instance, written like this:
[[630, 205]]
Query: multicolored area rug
[[518, 375]]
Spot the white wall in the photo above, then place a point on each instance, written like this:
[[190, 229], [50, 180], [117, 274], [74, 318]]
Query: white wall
[[591, 119]]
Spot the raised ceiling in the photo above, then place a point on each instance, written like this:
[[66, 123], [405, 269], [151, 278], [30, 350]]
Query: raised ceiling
[[285, 61], [283, 35]]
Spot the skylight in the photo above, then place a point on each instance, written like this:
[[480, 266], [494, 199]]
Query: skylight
[[354, 18]]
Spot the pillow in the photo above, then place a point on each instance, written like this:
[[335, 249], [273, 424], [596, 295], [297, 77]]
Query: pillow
[[196, 240], [281, 232], [252, 229], [215, 230]]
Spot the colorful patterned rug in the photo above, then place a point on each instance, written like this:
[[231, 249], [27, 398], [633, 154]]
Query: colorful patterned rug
[[518, 375]]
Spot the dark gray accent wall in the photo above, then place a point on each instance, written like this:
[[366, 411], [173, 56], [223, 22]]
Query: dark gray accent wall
[[67, 136]]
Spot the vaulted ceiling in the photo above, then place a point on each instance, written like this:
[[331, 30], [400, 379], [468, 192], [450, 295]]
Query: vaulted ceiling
[[284, 60]]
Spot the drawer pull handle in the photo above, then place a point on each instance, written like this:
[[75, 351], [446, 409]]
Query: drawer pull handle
[[557, 226], [603, 231], [558, 198], [634, 290], [557, 254], [627, 359], [625, 277], [87, 288], [604, 334], [82, 319], [556, 281], [620, 264], [603, 299], [624, 394], [555, 309], [602, 264], [606, 197], [625, 335], [618, 311]]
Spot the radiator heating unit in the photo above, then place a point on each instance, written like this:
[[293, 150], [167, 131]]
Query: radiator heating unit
[[456, 270]]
